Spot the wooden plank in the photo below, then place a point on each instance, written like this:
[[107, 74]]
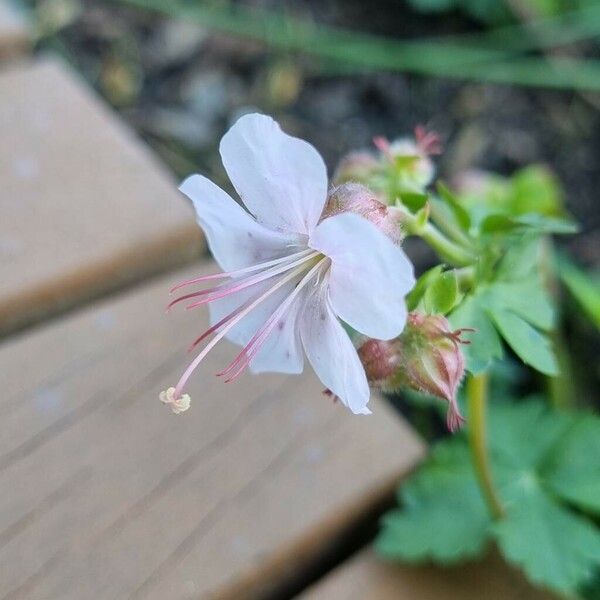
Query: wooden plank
[[14, 33], [112, 496], [85, 206], [366, 576]]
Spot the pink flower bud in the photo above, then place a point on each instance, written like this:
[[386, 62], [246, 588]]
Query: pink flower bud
[[425, 357], [356, 166], [358, 199]]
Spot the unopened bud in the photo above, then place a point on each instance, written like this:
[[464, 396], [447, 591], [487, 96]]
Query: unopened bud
[[426, 357], [358, 199], [356, 166], [412, 161]]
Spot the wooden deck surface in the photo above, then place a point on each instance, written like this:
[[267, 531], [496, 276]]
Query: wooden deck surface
[[85, 206], [366, 577], [112, 496]]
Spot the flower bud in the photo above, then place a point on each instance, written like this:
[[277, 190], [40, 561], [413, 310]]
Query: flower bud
[[425, 357], [356, 166], [419, 171], [358, 199]]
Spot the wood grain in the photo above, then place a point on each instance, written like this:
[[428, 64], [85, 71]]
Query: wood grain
[[367, 576], [85, 207], [14, 32], [112, 496]]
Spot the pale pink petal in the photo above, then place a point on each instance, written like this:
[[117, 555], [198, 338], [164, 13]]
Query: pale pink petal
[[281, 352], [281, 179], [331, 353], [235, 239], [369, 276]]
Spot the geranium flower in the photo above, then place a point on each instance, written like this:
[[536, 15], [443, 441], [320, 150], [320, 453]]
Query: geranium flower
[[289, 274]]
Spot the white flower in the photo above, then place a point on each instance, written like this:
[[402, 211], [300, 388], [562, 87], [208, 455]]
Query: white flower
[[289, 274]]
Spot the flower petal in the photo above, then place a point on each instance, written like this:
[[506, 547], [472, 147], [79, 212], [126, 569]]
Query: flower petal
[[282, 351], [331, 353], [369, 276], [235, 239], [281, 179]]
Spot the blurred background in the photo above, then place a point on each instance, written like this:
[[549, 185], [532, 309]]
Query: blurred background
[[505, 82]]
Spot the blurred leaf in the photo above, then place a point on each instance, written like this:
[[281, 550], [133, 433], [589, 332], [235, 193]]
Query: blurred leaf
[[517, 305], [460, 213], [499, 223], [554, 547], [443, 294], [539, 457], [413, 200], [574, 472], [446, 527], [535, 189], [525, 434], [485, 343], [527, 298], [584, 287], [417, 293], [532, 347]]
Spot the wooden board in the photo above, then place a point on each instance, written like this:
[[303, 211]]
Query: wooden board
[[112, 496], [14, 34], [85, 206], [366, 576]]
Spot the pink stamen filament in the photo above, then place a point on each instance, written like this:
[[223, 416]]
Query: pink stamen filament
[[245, 271], [231, 323], [242, 360], [221, 291]]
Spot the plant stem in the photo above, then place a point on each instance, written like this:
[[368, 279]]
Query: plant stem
[[446, 249], [477, 405]]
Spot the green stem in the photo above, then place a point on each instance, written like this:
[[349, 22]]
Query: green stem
[[561, 388], [477, 404], [446, 249]]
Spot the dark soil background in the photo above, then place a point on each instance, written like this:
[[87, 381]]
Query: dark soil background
[[181, 85]]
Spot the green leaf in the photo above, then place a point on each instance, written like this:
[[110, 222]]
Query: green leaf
[[485, 343], [460, 213], [536, 190], [540, 458], [447, 527], [547, 224], [501, 223], [573, 473], [584, 287], [554, 547], [424, 281], [527, 298], [414, 201], [531, 346], [521, 260], [525, 434], [443, 294]]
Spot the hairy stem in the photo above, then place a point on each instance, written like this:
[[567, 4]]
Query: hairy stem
[[477, 404]]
